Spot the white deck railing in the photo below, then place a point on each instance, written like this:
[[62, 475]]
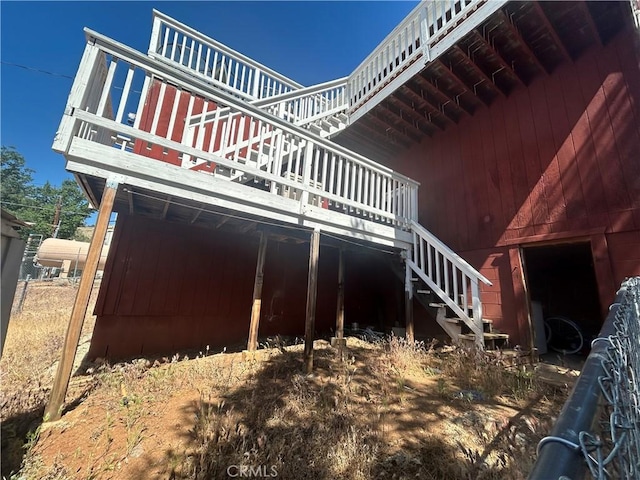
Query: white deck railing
[[426, 25], [309, 104], [449, 276], [299, 107], [192, 51], [282, 158]]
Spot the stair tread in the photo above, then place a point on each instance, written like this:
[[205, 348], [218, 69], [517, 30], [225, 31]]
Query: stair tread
[[487, 336], [459, 320], [437, 305]]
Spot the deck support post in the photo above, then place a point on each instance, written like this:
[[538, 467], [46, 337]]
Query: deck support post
[[339, 340], [53, 411], [252, 344], [408, 303], [312, 290]]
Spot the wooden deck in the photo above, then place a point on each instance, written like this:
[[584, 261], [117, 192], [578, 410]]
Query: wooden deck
[[125, 122]]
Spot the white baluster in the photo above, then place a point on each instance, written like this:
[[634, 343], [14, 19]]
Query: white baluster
[[158, 109], [106, 89], [174, 110], [125, 93], [141, 102], [174, 46], [191, 50], [183, 49]]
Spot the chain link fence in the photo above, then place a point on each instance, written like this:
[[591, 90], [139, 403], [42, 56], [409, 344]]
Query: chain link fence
[[598, 431], [28, 267]]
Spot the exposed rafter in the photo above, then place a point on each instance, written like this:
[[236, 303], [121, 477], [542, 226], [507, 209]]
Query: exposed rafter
[[480, 37], [434, 107], [409, 108], [247, 227], [166, 208], [389, 128], [398, 115], [196, 214], [372, 132], [582, 6], [446, 99], [552, 31], [222, 221], [461, 83], [132, 207], [490, 82], [366, 142], [508, 21]]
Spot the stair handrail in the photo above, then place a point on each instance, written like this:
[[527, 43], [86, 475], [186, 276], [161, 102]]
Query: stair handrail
[[284, 98], [444, 281], [250, 72], [317, 88], [462, 264]]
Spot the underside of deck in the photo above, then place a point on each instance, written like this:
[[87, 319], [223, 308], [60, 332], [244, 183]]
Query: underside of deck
[[161, 191], [509, 49]]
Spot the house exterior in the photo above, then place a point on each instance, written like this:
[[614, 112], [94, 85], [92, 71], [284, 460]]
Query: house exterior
[[482, 165]]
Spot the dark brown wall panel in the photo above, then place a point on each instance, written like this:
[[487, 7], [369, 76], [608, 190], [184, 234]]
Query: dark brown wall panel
[[169, 287]]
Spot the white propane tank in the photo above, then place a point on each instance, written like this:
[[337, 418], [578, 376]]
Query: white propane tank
[[54, 251]]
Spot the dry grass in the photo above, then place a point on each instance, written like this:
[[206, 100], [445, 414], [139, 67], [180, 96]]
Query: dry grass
[[390, 410], [29, 359], [36, 334]]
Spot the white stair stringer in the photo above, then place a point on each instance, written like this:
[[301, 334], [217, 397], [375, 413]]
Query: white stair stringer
[[450, 277]]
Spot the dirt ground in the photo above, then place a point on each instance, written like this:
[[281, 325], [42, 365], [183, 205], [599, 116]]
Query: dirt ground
[[389, 410]]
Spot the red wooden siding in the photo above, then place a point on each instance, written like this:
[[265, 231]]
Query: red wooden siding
[[178, 130], [624, 249], [557, 159], [169, 287]]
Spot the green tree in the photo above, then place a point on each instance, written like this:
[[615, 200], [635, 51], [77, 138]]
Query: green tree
[[48, 208], [16, 180]]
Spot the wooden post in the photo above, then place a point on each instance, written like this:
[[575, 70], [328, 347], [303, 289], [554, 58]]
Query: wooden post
[[339, 341], [340, 309], [61, 383], [252, 344], [408, 304], [312, 290]]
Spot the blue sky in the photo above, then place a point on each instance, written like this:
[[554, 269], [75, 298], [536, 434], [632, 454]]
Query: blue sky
[[310, 42]]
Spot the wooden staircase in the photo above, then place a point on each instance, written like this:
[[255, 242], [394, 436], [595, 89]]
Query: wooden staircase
[[457, 330]]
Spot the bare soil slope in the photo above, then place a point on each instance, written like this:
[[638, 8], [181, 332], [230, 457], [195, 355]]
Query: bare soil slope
[[390, 410]]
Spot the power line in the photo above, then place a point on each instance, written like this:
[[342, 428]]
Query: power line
[[37, 70], [43, 208], [53, 74]]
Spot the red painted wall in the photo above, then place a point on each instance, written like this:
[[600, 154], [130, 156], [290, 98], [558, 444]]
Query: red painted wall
[[559, 159], [166, 107], [169, 287]]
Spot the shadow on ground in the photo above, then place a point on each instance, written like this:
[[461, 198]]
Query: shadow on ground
[[346, 421], [20, 429]]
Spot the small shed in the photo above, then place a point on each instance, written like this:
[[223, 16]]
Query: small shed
[[12, 251]]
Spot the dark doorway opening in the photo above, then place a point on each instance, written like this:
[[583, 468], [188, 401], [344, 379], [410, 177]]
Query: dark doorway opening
[[561, 282]]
